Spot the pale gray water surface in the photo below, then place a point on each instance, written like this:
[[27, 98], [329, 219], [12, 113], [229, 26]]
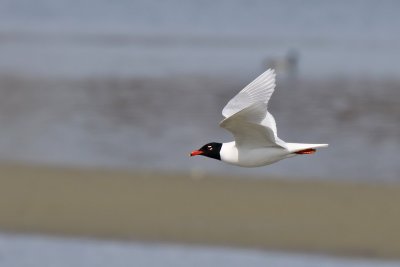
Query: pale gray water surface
[[39, 251], [154, 124], [161, 37]]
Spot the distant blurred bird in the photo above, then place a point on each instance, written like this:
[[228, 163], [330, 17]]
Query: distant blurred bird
[[254, 129], [288, 65]]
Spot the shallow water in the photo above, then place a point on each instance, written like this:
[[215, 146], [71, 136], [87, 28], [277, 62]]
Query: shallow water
[[154, 124], [28, 250], [76, 38]]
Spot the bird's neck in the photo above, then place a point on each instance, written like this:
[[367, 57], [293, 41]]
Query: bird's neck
[[229, 152]]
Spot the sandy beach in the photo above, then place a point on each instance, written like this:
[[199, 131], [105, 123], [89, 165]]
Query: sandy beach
[[341, 218]]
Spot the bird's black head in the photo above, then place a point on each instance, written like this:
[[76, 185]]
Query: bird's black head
[[210, 150]]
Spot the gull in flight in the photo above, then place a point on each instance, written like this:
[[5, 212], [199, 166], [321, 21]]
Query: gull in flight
[[254, 129]]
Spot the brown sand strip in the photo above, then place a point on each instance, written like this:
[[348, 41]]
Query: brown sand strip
[[333, 217]]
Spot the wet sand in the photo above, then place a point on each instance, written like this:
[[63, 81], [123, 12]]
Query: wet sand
[[342, 218]]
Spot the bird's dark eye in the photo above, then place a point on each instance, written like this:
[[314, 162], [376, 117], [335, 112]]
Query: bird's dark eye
[[209, 147]]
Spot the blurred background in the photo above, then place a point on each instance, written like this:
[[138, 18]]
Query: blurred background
[[131, 87]]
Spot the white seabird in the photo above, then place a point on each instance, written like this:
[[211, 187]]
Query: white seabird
[[254, 129]]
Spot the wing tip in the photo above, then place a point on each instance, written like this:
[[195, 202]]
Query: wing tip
[[260, 89]]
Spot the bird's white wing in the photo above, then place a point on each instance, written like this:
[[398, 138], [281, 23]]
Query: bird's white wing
[[259, 90], [253, 127]]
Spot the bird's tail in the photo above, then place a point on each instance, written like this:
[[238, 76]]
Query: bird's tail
[[304, 148]]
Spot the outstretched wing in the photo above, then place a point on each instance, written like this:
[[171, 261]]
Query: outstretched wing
[[253, 127], [259, 90]]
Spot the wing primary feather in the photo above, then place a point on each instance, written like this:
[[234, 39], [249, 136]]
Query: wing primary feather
[[260, 89]]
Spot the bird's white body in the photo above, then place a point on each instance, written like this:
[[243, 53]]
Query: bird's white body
[[251, 157], [262, 156], [254, 129]]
